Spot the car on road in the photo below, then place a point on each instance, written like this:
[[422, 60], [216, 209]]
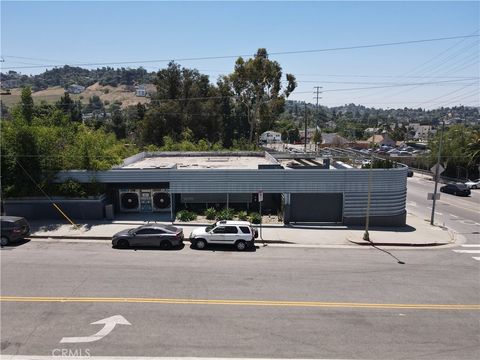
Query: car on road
[[456, 189], [241, 234], [473, 184], [156, 235], [14, 228]]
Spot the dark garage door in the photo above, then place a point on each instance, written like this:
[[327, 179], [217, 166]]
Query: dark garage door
[[325, 207]]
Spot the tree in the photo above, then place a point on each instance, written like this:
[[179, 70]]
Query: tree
[[459, 149], [27, 104], [257, 85], [71, 108]]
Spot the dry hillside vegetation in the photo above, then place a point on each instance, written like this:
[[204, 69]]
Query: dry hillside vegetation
[[106, 93]]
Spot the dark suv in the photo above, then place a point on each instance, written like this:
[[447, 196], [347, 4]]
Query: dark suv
[[13, 228]]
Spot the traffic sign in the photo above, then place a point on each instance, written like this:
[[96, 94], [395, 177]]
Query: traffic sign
[[260, 196], [430, 196], [433, 169]]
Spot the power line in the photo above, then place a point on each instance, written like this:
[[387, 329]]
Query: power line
[[270, 54]]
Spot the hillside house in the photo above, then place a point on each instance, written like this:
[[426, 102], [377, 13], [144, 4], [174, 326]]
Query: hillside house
[[141, 91], [75, 89], [382, 139]]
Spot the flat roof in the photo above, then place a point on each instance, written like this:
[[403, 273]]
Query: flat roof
[[198, 162]]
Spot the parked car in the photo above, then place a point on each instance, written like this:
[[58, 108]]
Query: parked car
[[13, 229], [456, 189], [473, 184], [157, 235], [238, 233]]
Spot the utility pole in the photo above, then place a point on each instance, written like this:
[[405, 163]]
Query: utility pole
[[437, 173], [305, 116], [317, 88]]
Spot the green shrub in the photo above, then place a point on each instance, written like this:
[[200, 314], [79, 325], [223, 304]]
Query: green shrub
[[255, 218], [71, 188], [210, 214], [225, 214], [185, 215], [242, 215]]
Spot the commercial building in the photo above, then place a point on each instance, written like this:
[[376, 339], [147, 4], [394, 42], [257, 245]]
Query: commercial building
[[300, 186]]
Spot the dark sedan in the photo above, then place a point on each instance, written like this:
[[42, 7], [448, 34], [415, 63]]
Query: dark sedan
[[157, 235], [13, 229], [456, 189]]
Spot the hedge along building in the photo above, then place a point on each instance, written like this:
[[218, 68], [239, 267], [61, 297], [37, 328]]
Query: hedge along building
[[305, 189]]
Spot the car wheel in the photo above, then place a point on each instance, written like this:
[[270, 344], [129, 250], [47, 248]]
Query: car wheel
[[123, 244], [4, 241], [200, 244], [241, 245], [441, 190], [474, 186], [455, 193], [166, 245]]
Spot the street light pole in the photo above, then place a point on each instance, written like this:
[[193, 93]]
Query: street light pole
[[366, 235], [437, 173]]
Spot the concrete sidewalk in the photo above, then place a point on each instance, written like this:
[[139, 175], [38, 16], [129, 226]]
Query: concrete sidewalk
[[418, 232]]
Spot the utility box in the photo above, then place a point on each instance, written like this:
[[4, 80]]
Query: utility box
[[109, 214]]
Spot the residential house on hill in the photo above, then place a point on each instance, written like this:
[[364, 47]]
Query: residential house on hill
[[382, 139], [75, 89], [333, 139]]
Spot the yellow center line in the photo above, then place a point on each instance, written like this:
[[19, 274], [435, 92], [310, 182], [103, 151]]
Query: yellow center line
[[240, 302]]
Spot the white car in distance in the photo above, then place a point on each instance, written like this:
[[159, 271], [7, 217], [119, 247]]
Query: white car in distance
[[473, 184]]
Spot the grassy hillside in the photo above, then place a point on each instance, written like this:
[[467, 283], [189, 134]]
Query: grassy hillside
[[106, 93]]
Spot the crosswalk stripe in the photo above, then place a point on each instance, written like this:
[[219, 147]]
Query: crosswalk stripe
[[467, 251]]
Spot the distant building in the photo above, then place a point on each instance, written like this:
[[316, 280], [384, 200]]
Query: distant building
[[421, 132], [370, 131], [141, 90], [333, 139], [270, 137], [75, 89], [382, 139]]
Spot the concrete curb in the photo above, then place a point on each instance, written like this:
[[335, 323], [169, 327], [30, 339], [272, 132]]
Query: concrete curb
[[107, 238]]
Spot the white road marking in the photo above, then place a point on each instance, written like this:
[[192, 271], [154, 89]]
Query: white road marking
[[109, 325], [471, 245], [476, 258], [454, 216], [467, 251], [412, 203]]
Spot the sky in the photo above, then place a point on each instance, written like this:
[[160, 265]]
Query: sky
[[423, 74]]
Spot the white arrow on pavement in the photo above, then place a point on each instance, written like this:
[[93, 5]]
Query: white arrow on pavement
[[110, 324]]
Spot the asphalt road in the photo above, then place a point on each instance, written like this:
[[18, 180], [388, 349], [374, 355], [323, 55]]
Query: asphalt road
[[462, 214], [271, 303]]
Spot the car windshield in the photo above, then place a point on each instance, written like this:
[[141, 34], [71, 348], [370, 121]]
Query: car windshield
[[209, 228]]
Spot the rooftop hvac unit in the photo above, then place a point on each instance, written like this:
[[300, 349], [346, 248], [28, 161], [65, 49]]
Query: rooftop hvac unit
[[129, 200], [161, 200]]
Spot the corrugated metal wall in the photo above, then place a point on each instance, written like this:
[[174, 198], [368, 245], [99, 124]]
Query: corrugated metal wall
[[388, 187]]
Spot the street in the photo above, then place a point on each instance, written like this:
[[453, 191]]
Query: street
[[84, 298], [462, 214], [274, 302]]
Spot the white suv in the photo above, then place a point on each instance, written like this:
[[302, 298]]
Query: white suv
[[238, 233]]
